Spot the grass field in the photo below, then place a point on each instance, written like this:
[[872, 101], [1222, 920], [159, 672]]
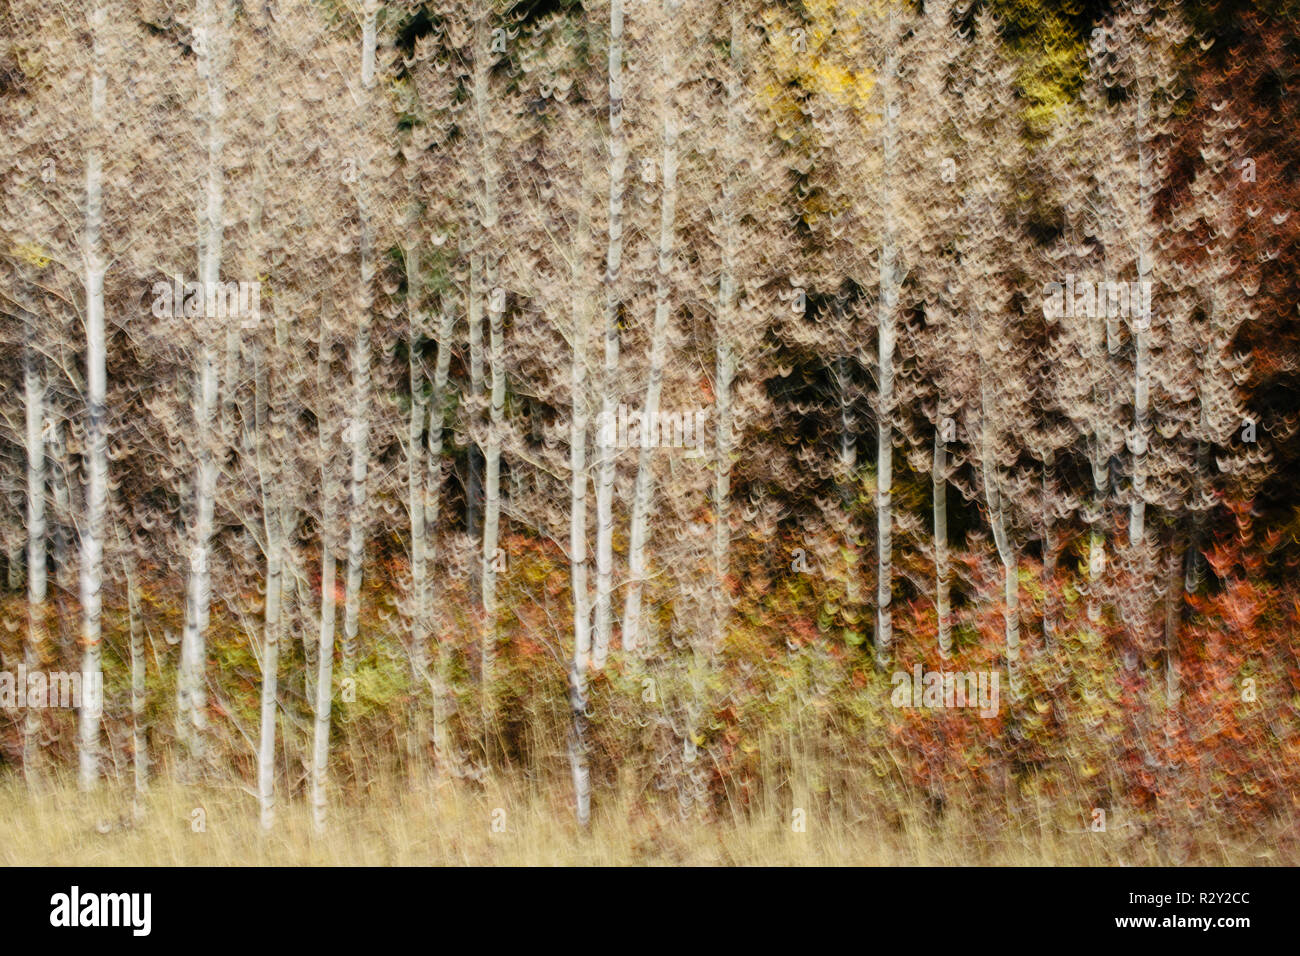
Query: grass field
[[453, 823]]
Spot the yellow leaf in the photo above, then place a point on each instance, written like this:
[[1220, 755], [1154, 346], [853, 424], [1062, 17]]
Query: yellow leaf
[[33, 253]]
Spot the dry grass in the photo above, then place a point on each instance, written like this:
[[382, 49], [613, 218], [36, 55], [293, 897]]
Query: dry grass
[[450, 823]]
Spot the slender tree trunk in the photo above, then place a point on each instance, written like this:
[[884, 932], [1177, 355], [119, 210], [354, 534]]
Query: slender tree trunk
[[270, 661], [34, 400], [324, 687], [609, 385], [61, 495], [492, 493], [1141, 327], [644, 488], [1096, 536], [1174, 595], [1049, 557], [305, 622], [211, 50], [724, 345], [496, 362], [848, 476], [1195, 565], [1173, 611], [92, 534], [417, 476], [274, 510], [939, 490], [360, 418], [432, 508], [14, 566], [997, 522], [359, 439], [889, 283], [139, 742], [473, 489], [724, 374], [578, 521], [198, 598]]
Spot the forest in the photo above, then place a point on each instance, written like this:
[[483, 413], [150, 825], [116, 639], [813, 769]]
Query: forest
[[778, 431]]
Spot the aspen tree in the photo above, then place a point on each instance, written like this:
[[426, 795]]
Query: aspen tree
[[745, 261], [135, 630], [212, 23], [1220, 284], [580, 312], [930, 190], [985, 80], [274, 386], [890, 281], [552, 234], [1213, 304], [359, 428], [1087, 382], [487, 295], [331, 489], [1134, 55], [606, 453], [1135, 51], [832, 134], [324, 683], [34, 398], [22, 277], [424, 478], [644, 487], [724, 345], [92, 534], [433, 90]]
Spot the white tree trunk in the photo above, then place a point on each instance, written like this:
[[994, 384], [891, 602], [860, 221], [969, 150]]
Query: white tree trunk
[[888, 300], [939, 489], [578, 525], [60, 494], [1141, 327], [139, 745], [609, 384], [492, 482], [847, 478], [474, 316], [92, 534], [1049, 556], [1001, 539], [644, 488], [270, 660], [324, 686], [432, 508], [359, 440], [210, 43], [274, 514], [417, 495], [1096, 537], [724, 346], [192, 675], [34, 401], [495, 296], [359, 430], [724, 374]]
